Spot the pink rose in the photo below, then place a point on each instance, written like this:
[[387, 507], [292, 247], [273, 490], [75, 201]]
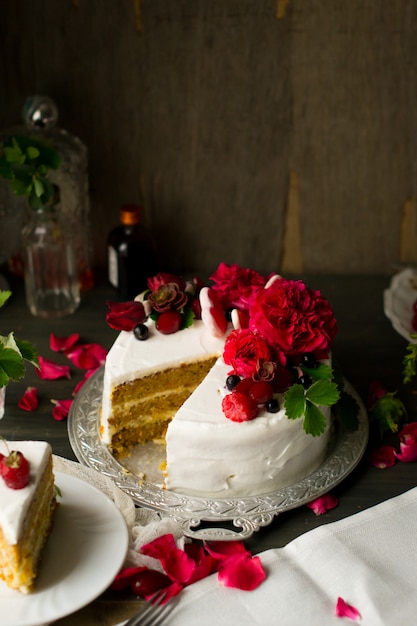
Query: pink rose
[[236, 287], [163, 278], [243, 350], [293, 318]]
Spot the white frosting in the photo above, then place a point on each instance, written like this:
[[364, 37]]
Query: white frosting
[[208, 454], [236, 458], [14, 503]]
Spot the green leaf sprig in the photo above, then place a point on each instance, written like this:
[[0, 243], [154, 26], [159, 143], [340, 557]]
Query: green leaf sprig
[[410, 361], [389, 412], [300, 401], [14, 353], [25, 162]]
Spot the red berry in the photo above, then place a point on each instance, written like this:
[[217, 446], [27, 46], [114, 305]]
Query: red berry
[[239, 407], [261, 391], [15, 470], [169, 322], [149, 581], [243, 386]]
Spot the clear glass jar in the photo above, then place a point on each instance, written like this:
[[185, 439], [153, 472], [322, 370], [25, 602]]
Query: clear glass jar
[[50, 265]]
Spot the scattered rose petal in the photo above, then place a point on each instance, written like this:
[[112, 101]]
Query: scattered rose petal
[[29, 401], [241, 571], [408, 443], [61, 409], [125, 577], [62, 344], [125, 315], [205, 564], [48, 370], [87, 356], [177, 565], [82, 382], [347, 610], [222, 550], [383, 457], [323, 504]]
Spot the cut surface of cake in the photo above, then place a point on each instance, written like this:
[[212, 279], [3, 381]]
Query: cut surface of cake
[[240, 395], [26, 516]]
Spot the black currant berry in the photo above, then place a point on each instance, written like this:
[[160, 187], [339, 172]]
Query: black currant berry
[[232, 381], [305, 381], [141, 332], [309, 360], [272, 406]]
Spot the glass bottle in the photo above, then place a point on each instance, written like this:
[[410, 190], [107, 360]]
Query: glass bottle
[[50, 264], [130, 254]]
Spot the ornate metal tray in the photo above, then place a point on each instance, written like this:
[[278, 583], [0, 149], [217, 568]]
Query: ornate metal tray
[[207, 518]]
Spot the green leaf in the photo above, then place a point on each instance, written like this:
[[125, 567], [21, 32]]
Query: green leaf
[[32, 152], [314, 420], [28, 352], [11, 364], [389, 412], [323, 392], [187, 317], [410, 361], [347, 410], [322, 371], [14, 155], [4, 296], [38, 186], [295, 402]]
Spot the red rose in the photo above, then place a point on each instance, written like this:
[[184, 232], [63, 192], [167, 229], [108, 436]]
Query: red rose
[[293, 318], [163, 278], [125, 315], [243, 350], [236, 287]]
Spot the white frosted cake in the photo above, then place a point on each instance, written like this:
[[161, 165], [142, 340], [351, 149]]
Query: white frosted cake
[[234, 396], [26, 516]]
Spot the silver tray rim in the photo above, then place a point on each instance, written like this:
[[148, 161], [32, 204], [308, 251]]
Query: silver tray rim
[[222, 518]]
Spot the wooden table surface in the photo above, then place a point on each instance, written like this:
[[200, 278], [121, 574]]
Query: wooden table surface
[[366, 348]]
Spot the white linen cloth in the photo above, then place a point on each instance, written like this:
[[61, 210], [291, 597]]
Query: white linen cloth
[[368, 559]]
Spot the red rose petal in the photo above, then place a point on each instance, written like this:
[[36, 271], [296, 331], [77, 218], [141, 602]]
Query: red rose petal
[[61, 409], [324, 503], [408, 443], [382, 457], [346, 610], [224, 549], [126, 576], [62, 344], [87, 356], [48, 370], [125, 315], [29, 401], [241, 571], [177, 565]]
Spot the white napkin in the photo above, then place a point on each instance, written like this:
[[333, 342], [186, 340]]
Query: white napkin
[[368, 559]]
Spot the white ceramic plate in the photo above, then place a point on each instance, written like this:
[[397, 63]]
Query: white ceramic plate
[[85, 551], [398, 302]]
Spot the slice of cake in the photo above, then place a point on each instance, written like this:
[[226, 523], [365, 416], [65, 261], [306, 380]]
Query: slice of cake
[[235, 378], [26, 514]]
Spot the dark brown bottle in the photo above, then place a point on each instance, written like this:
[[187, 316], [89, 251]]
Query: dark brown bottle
[[130, 254]]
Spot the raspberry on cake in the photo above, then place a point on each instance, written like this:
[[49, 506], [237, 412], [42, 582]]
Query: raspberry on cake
[[215, 389], [27, 506]]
